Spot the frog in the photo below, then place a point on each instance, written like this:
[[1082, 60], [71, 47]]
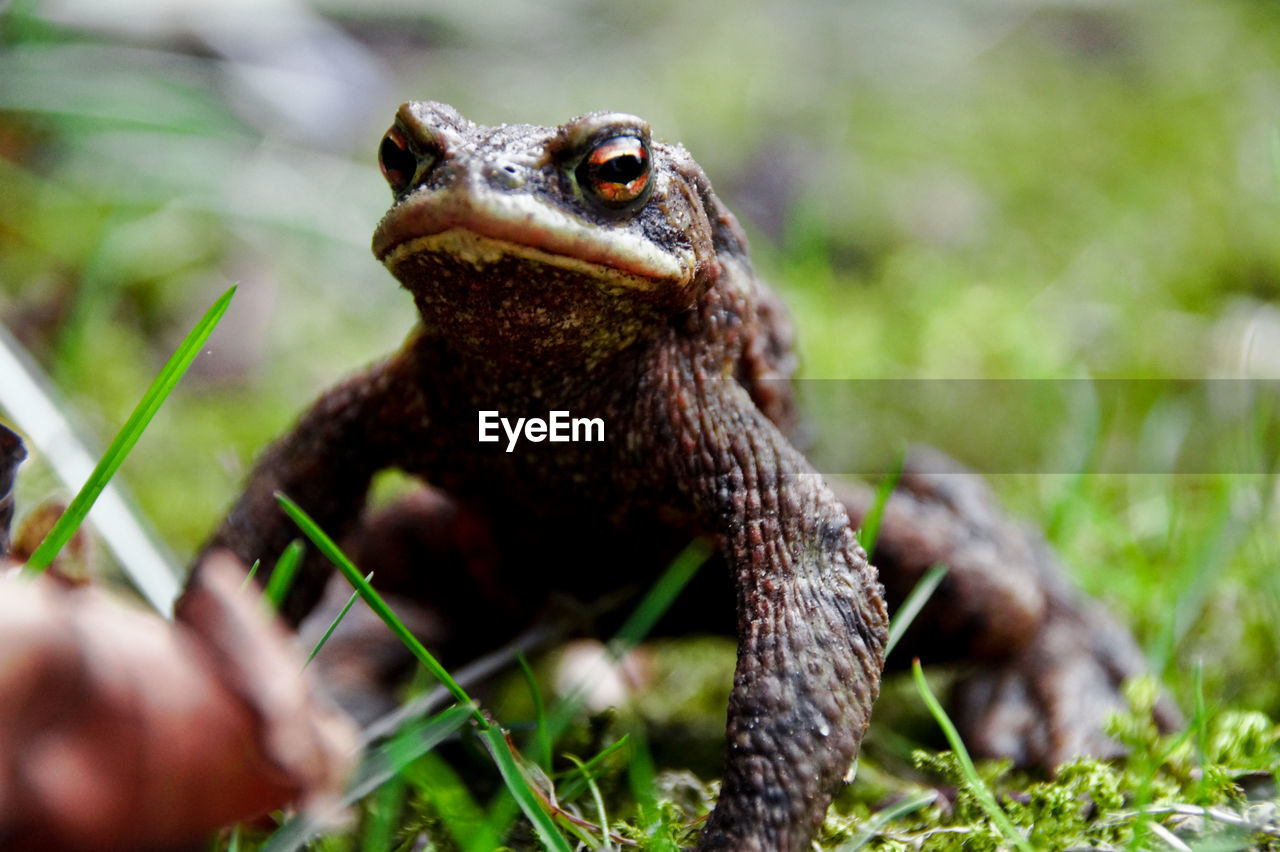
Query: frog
[[589, 272]]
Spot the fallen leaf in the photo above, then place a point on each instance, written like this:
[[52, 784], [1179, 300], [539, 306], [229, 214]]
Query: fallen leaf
[[119, 730]]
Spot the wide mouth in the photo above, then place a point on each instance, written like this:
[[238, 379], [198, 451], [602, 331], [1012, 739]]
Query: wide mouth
[[498, 226]]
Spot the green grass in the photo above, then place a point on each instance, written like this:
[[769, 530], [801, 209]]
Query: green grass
[[1141, 802], [494, 737], [1035, 191], [382, 775], [127, 437], [974, 784]]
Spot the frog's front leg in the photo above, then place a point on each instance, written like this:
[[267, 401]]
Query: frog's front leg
[[811, 620], [324, 464]]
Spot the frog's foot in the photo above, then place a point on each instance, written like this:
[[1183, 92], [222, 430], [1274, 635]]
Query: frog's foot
[[1052, 661], [1050, 701]]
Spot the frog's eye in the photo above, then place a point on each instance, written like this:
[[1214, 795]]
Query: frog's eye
[[396, 160], [404, 160], [616, 172]]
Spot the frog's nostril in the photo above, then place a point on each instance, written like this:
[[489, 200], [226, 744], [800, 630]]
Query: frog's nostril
[[398, 163], [505, 174]]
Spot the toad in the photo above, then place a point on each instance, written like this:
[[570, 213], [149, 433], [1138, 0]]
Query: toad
[[588, 272]]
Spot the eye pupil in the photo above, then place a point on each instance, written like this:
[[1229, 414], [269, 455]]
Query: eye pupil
[[621, 169], [616, 172]]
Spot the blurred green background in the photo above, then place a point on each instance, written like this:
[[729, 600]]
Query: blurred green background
[[980, 189]]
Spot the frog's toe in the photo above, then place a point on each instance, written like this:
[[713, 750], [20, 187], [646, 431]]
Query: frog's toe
[[1050, 701]]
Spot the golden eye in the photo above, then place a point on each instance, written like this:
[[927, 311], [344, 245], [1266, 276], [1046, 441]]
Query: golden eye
[[616, 171]]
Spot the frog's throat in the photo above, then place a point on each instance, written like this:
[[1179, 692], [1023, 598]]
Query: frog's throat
[[483, 234]]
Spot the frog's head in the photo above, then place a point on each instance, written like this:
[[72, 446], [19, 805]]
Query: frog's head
[[567, 242]]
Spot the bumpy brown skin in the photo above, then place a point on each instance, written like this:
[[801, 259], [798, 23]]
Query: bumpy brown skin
[[536, 297], [677, 363]]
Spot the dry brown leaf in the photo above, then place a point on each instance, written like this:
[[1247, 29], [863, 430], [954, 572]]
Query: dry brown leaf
[[119, 730], [74, 564]]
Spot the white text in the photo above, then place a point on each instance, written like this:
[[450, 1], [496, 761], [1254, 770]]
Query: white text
[[558, 427]]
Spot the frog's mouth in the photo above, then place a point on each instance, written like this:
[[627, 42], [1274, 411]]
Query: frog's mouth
[[505, 227]]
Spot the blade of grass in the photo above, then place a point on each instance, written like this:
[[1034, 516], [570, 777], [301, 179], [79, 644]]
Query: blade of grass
[[335, 555], [541, 635], [1081, 450], [574, 782], [1193, 581], [378, 767], [499, 816], [1170, 839], [661, 595], [493, 735], [595, 796], [638, 624], [980, 792], [1146, 765], [248, 578], [382, 815], [1200, 725], [333, 625], [410, 743], [870, 530], [641, 777], [646, 614], [915, 602], [435, 781], [499, 748], [283, 574], [545, 634], [909, 805], [127, 437], [542, 735]]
